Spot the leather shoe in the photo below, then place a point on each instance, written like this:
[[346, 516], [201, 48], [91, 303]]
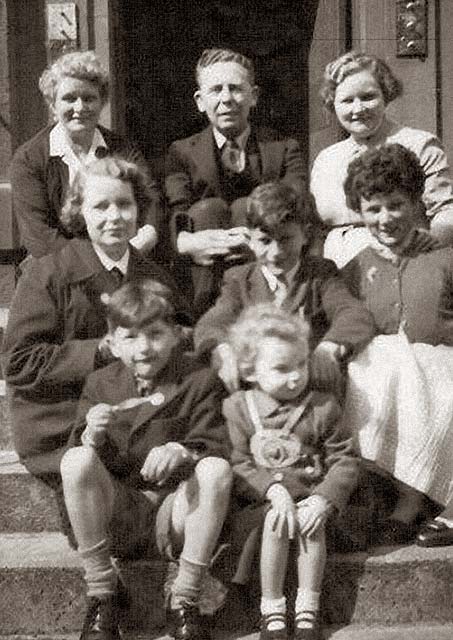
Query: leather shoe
[[273, 634], [101, 619], [434, 533], [186, 623]]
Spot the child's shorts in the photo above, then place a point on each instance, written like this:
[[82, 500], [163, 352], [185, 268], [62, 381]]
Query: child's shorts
[[141, 523]]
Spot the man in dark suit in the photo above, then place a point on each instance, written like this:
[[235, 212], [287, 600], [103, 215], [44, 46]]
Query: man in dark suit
[[209, 175]]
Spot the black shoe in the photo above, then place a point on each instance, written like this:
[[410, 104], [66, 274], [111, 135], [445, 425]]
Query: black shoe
[[186, 623], [273, 634], [434, 533], [307, 633], [101, 619]]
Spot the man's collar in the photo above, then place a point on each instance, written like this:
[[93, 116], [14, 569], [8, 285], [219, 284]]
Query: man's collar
[[109, 264], [59, 145], [241, 140]]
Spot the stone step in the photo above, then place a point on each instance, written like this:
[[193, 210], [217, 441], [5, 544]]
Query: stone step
[[42, 589], [350, 632], [27, 504], [6, 440]]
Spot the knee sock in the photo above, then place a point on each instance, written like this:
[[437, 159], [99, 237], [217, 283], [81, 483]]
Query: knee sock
[[100, 575], [271, 606], [306, 608], [187, 585]]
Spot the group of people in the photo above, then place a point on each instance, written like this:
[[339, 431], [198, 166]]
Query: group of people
[[190, 374]]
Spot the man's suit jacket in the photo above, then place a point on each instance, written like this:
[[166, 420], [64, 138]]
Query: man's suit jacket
[[193, 173], [39, 184], [317, 291], [188, 411], [55, 324]]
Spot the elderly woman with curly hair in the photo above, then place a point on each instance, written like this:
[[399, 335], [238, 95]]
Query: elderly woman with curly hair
[[357, 88], [56, 328], [76, 88]]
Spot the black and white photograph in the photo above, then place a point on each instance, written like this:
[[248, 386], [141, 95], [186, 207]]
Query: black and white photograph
[[226, 320]]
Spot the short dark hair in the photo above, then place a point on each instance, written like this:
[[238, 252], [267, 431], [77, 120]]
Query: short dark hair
[[115, 167], [353, 62], [214, 55], [138, 303], [383, 170], [272, 204]]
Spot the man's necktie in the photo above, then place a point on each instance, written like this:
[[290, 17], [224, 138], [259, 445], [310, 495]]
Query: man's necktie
[[117, 277], [231, 156]]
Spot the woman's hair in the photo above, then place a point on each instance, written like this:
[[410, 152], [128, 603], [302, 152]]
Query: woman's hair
[[273, 204], [264, 321], [383, 170], [139, 303], [212, 56], [82, 65], [114, 167], [352, 62]]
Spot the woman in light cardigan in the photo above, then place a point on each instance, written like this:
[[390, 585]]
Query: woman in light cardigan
[[357, 88]]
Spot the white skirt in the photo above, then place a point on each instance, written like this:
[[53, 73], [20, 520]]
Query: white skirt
[[399, 402]]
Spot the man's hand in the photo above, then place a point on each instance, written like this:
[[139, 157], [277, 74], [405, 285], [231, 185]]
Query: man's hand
[[312, 513], [204, 246], [145, 239], [283, 511], [162, 461], [225, 363], [99, 418], [325, 366]]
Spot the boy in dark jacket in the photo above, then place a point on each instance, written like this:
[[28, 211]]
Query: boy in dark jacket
[[285, 274], [147, 471]]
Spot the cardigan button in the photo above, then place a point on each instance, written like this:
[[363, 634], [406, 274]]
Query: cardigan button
[[278, 476]]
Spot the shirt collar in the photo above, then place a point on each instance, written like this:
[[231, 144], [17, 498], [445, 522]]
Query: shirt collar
[[241, 140], [272, 279], [110, 264], [59, 145]]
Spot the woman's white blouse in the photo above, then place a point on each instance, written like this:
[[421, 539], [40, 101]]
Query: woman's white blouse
[[331, 165]]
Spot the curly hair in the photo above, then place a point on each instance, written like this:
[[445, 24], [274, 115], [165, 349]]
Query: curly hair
[[114, 167], [212, 56], [138, 303], [263, 321], [272, 204], [82, 65], [353, 62], [383, 170]]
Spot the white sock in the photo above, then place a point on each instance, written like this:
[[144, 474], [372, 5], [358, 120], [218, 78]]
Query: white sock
[[100, 575], [270, 606], [306, 608]]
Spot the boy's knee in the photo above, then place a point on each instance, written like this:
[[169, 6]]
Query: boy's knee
[[214, 474], [80, 465], [209, 213]]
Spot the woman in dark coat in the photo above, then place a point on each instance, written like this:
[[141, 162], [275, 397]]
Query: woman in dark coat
[[54, 337], [76, 88]]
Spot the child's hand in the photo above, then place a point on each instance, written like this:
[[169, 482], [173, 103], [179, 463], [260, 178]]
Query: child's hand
[[312, 513], [325, 366], [99, 418], [145, 238], [283, 511], [162, 461], [204, 246], [225, 363]]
